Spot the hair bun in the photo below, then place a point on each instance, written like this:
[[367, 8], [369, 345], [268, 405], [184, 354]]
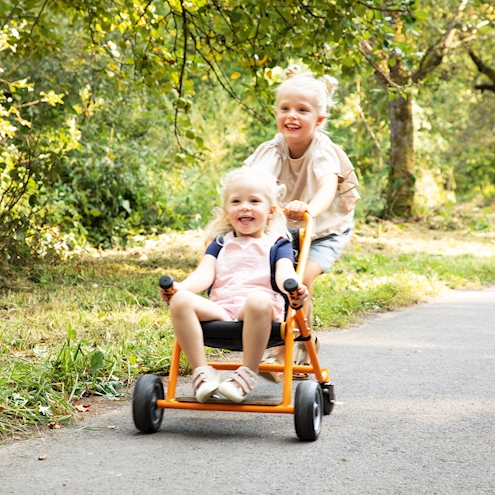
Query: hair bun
[[331, 84], [292, 71]]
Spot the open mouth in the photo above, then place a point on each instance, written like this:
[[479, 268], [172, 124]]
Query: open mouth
[[245, 220], [292, 127]]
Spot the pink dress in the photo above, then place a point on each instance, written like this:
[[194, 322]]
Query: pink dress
[[243, 265]]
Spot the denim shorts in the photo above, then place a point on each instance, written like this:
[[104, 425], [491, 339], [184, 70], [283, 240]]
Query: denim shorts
[[325, 250]]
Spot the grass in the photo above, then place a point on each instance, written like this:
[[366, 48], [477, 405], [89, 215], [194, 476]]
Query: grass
[[90, 325]]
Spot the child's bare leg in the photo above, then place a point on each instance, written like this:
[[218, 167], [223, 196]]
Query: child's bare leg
[[257, 315], [187, 310], [310, 274]]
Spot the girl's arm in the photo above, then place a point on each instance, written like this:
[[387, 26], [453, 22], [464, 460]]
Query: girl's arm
[[199, 280], [284, 269], [327, 187]]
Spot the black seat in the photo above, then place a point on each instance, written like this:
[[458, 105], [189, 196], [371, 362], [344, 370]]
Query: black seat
[[228, 334]]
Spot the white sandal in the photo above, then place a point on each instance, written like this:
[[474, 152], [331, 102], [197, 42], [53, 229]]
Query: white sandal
[[238, 385], [205, 381]]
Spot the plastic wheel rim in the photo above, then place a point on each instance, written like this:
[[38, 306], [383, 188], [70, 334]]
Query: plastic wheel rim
[[317, 414], [154, 411]]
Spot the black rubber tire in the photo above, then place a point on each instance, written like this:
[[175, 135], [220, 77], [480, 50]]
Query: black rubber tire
[[328, 398], [308, 410], [147, 417]]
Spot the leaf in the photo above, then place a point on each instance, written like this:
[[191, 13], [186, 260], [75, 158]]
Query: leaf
[[97, 361], [45, 410], [94, 212], [71, 333], [52, 98], [263, 60], [126, 205], [235, 75], [421, 15], [82, 407], [33, 200], [179, 157]]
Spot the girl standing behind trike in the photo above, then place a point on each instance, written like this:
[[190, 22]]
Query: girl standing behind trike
[[318, 176], [243, 284]]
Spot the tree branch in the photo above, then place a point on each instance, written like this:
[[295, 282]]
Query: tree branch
[[11, 13], [182, 72], [483, 68], [434, 55], [36, 20], [365, 49], [485, 87]]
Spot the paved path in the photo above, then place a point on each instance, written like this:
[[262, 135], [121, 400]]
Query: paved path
[[415, 415]]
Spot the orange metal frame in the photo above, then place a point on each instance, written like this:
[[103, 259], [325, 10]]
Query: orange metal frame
[[295, 319]]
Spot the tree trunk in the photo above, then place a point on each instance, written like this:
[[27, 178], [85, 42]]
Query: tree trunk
[[400, 194], [401, 190]]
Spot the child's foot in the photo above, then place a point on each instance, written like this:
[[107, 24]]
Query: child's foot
[[205, 381], [239, 384], [273, 356]]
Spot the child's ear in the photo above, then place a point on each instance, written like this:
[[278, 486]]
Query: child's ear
[[320, 120], [272, 211]]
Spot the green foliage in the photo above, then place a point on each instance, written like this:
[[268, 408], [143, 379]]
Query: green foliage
[[34, 136], [171, 44], [28, 396], [117, 104]]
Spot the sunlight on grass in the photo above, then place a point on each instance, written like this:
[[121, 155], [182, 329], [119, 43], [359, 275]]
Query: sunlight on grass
[[387, 266]]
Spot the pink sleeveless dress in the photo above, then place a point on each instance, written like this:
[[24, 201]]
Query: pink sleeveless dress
[[243, 265]]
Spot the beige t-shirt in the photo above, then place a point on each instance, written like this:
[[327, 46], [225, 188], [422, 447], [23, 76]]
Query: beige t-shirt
[[301, 176]]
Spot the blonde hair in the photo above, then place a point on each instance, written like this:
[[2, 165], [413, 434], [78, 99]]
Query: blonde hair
[[268, 187], [321, 90]]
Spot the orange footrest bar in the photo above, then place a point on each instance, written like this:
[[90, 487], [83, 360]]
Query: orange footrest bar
[[231, 406]]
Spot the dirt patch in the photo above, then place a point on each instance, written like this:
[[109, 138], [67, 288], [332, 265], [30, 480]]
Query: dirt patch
[[92, 406]]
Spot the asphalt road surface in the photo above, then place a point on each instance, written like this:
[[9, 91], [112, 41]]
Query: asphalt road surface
[[415, 414]]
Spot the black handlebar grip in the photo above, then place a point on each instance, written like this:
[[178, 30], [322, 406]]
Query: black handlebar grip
[[166, 283], [291, 285]]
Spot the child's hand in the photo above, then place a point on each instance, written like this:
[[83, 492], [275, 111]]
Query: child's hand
[[167, 294], [295, 210], [302, 294]]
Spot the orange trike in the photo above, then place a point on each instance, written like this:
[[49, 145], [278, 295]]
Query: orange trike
[[313, 398]]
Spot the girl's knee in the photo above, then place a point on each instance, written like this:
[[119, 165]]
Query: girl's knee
[[180, 300], [259, 301]]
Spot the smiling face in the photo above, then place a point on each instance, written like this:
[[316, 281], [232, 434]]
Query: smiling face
[[297, 119], [248, 208]]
